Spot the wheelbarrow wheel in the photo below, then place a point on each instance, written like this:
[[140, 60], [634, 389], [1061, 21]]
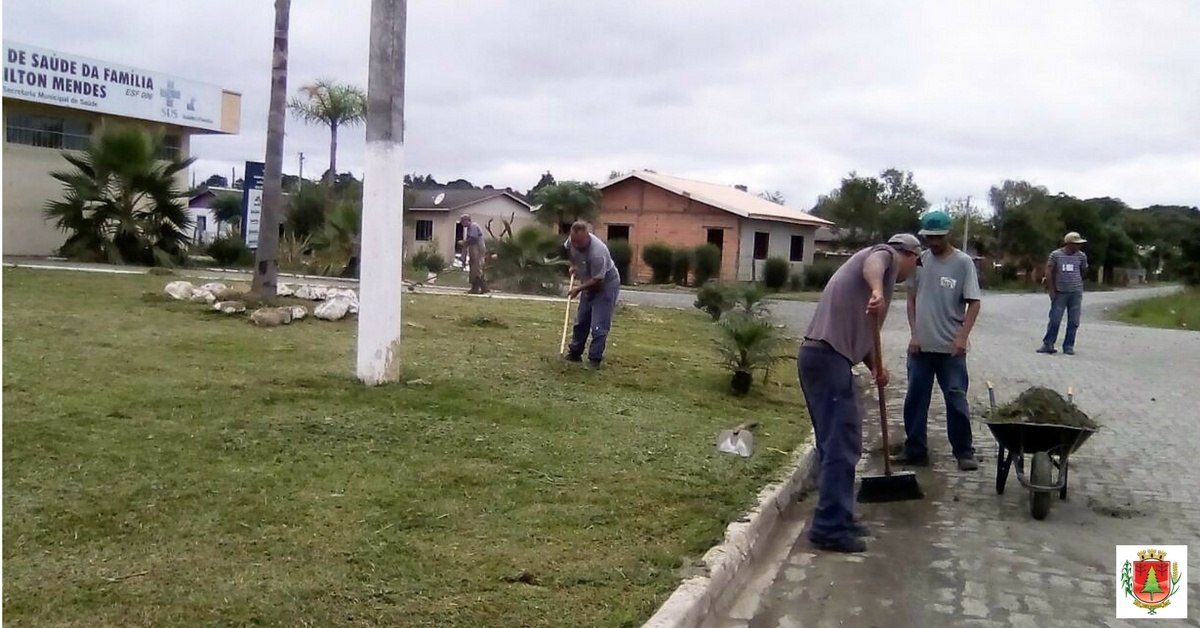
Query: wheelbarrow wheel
[[1040, 474]]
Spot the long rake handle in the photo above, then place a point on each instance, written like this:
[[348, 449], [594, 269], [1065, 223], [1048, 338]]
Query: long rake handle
[[878, 355], [562, 346]]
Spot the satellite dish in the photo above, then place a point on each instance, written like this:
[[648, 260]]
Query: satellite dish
[[437, 200]]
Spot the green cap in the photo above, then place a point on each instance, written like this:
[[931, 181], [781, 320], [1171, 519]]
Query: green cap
[[935, 223]]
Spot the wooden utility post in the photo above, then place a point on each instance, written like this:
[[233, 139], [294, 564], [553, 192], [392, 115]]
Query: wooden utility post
[[266, 258], [382, 259]]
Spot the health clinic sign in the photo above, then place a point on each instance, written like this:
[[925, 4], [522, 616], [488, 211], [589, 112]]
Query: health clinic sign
[[45, 76]]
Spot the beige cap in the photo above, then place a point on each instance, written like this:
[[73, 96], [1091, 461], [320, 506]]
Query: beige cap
[[1073, 238], [906, 242]]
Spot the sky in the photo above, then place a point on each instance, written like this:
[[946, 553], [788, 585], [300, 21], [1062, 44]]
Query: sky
[[1097, 98]]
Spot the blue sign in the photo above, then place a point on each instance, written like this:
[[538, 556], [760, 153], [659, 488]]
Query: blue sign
[[252, 185]]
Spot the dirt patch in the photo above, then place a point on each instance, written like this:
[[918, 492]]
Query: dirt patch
[[484, 321], [1042, 405], [1116, 511]]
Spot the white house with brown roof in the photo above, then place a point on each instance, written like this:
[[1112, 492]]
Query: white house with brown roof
[[433, 220], [646, 207]]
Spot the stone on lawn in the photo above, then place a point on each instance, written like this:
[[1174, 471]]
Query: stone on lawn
[[311, 293], [341, 292], [179, 290], [271, 316], [299, 312], [200, 295], [334, 309], [284, 290], [215, 287], [229, 307]]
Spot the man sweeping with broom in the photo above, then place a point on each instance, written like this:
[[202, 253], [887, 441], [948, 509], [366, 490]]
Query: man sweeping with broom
[[840, 335]]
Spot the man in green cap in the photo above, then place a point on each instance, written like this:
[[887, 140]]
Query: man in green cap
[[943, 304]]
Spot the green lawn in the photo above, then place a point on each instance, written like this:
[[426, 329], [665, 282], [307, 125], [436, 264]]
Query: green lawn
[[806, 295], [1176, 311], [164, 465]]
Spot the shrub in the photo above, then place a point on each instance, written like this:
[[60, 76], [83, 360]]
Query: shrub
[[417, 260], [796, 282], [528, 261], [708, 263], [775, 273], [658, 257], [230, 251], [715, 298], [818, 274], [434, 262], [681, 265], [622, 255]]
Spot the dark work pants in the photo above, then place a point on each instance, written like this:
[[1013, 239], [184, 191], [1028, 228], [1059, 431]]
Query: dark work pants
[[951, 374], [594, 316], [837, 415], [1071, 303]]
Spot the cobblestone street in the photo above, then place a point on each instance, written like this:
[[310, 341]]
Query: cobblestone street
[[965, 556]]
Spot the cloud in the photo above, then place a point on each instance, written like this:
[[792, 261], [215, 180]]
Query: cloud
[[1092, 99]]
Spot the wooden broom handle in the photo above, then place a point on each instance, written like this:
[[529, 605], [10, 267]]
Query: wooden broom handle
[[876, 323]]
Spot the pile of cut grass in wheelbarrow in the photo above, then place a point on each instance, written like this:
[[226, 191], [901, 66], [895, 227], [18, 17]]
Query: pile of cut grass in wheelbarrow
[[1042, 405]]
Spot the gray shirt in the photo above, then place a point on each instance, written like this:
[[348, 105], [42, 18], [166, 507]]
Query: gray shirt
[[1068, 270], [594, 262], [943, 287], [473, 235], [841, 319]]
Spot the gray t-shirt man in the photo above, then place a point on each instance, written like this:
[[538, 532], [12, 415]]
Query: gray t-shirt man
[[841, 319], [943, 287], [595, 262]]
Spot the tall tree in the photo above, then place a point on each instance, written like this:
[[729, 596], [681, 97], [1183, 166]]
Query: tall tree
[[266, 266], [334, 105], [216, 181], [566, 202], [546, 180], [903, 203]]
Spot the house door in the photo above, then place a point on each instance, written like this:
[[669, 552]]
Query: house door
[[458, 236], [716, 237]]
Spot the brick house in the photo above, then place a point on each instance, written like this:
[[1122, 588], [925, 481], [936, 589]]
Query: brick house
[[646, 207]]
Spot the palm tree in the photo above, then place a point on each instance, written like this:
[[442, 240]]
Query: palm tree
[[122, 201], [227, 210], [334, 105], [266, 266], [336, 245]]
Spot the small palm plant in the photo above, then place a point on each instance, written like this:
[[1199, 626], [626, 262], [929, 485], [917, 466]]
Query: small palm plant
[[122, 203], [337, 243], [748, 342], [527, 261]]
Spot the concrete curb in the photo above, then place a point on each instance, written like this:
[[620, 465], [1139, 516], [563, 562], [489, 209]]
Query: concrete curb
[[700, 597]]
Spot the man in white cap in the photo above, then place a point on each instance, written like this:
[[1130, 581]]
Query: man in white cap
[[1065, 271]]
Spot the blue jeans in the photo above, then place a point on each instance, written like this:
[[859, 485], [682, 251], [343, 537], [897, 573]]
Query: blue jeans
[[837, 414], [951, 374], [1071, 302], [594, 316]]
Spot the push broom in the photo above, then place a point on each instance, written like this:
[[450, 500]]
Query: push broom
[[889, 487]]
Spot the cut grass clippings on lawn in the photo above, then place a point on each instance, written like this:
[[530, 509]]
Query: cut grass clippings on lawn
[[1174, 311], [1044, 406], [166, 465]]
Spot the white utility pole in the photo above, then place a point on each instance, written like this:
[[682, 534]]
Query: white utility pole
[[382, 259], [967, 223]]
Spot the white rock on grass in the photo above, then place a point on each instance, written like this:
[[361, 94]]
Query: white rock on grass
[[179, 290], [271, 316], [284, 290], [334, 309], [311, 293], [348, 293], [200, 295], [215, 287], [299, 312], [229, 307]]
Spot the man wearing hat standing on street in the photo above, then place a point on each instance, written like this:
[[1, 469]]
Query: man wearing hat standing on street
[[943, 304], [1065, 271], [840, 335]]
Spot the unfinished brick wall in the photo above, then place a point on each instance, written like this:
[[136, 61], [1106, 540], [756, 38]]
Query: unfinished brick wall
[[657, 215]]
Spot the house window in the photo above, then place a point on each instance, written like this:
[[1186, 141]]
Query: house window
[[171, 149], [618, 232], [762, 242], [797, 254], [47, 131], [424, 230], [716, 237]]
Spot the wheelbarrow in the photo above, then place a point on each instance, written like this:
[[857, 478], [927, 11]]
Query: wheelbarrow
[[1050, 447]]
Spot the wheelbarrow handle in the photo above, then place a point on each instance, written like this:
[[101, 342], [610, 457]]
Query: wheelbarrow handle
[[991, 396]]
